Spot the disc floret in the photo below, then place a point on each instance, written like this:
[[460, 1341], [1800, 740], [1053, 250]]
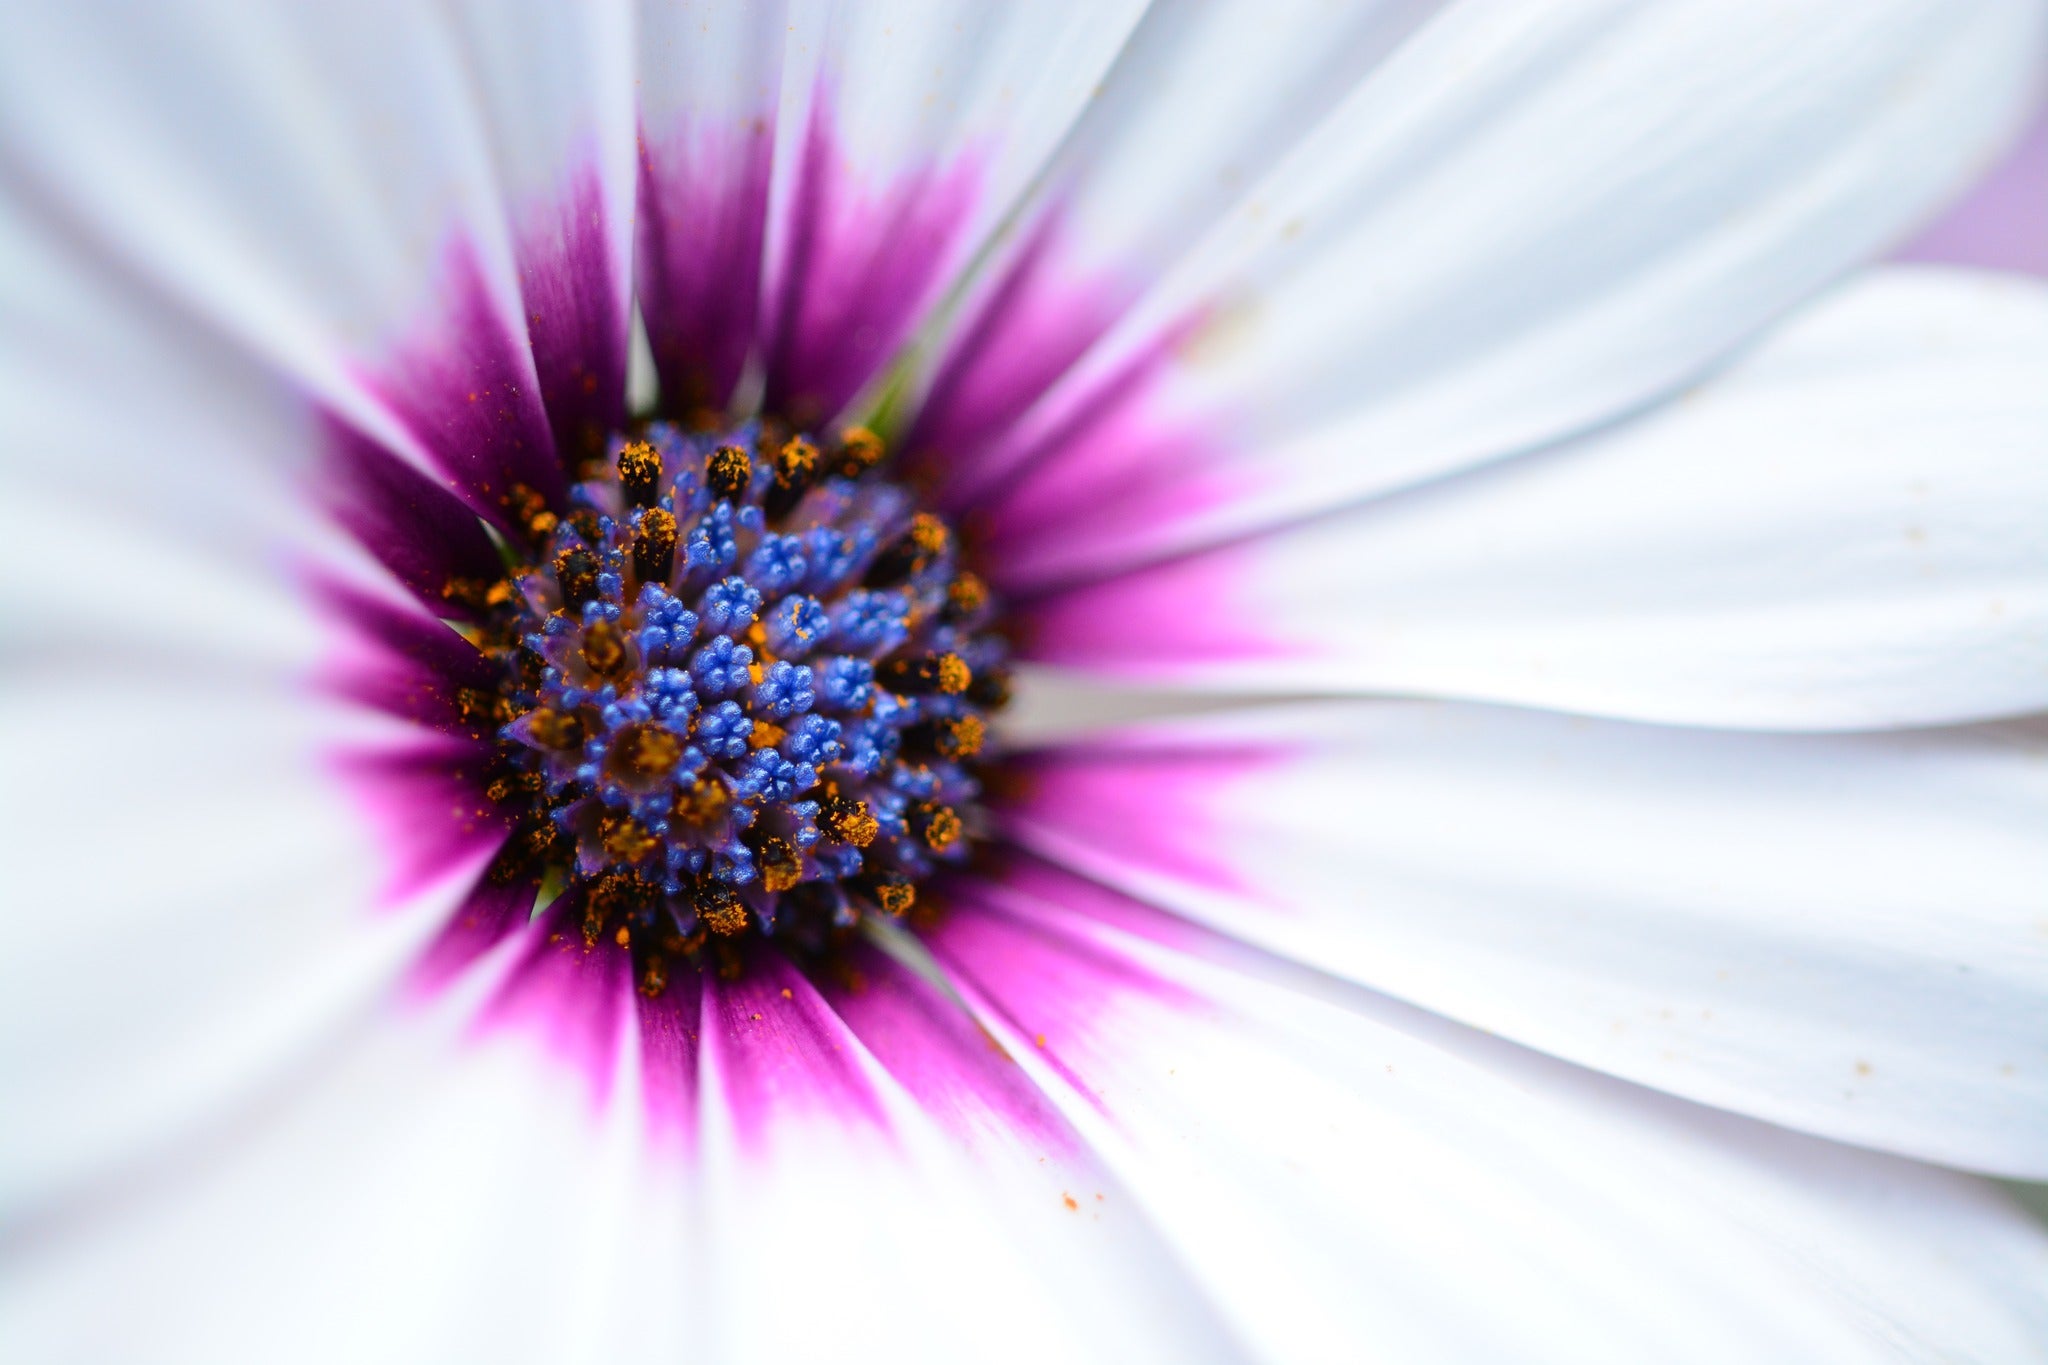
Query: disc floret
[[745, 683]]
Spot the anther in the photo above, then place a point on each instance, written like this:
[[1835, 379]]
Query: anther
[[640, 474], [530, 510], [576, 573], [912, 552], [935, 823], [718, 906], [924, 674], [728, 472], [952, 737], [781, 865], [847, 821], [796, 464], [654, 545], [966, 597], [859, 451], [893, 892]]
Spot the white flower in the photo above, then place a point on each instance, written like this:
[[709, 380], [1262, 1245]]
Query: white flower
[[1522, 832]]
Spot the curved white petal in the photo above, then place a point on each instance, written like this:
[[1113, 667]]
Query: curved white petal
[[1842, 933], [1849, 529], [554, 85], [378, 200], [453, 1189], [907, 130], [890, 1158], [1199, 104], [424, 1196], [708, 82], [1527, 220], [1351, 1179], [192, 898]]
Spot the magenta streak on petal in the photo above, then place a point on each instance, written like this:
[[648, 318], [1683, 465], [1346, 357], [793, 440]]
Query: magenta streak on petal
[[465, 385], [488, 914], [2002, 224], [576, 317], [573, 997], [427, 800], [703, 213], [418, 530], [400, 662], [669, 1025], [1024, 333], [1102, 482], [1047, 985], [1155, 621], [956, 1071], [1152, 809], [783, 1056], [860, 263]]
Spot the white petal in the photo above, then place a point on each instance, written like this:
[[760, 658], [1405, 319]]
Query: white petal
[[709, 82], [192, 898], [1843, 933], [192, 907], [555, 88], [349, 193], [907, 130], [1201, 102], [1349, 1177], [425, 1196], [1526, 221], [454, 1189], [1849, 529], [919, 1192]]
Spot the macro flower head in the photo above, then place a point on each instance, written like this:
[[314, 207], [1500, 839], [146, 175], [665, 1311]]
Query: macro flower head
[[957, 681]]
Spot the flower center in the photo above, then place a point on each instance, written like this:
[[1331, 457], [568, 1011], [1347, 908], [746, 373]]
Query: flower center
[[744, 684]]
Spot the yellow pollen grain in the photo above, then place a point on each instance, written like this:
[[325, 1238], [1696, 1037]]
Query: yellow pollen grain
[[928, 533], [798, 457], [727, 919], [964, 737], [658, 528], [639, 464], [861, 448], [968, 593], [896, 899], [944, 829], [859, 828], [954, 675]]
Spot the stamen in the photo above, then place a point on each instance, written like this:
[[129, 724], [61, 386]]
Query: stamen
[[795, 464], [654, 546], [729, 472], [640, 474]]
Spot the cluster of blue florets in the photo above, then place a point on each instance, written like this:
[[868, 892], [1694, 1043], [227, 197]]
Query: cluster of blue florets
[[749, 680]]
